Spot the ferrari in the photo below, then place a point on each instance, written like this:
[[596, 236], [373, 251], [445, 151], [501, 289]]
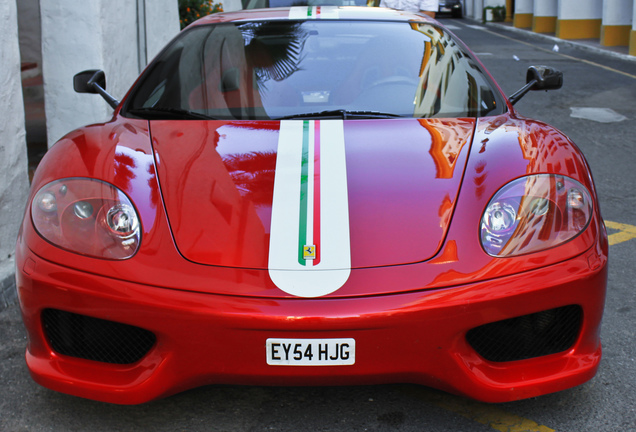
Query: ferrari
[[313, 196]]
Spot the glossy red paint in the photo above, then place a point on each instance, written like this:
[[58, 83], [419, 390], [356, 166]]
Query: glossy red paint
[[218, 180], [504, 148], [414, 292], [414, 337]]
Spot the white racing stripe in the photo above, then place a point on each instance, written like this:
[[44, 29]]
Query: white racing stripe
[[310, 209], [314, 12]]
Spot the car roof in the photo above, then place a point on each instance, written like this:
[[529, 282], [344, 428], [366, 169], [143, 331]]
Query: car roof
[[314, 12]]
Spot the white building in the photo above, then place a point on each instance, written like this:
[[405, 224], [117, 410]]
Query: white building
[[612, 22], [60, 38]]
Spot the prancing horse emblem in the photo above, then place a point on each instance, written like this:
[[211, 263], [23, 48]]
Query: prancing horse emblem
[[309, 252]]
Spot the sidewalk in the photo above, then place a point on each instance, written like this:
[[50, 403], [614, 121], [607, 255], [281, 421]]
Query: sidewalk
[[35, 125], [590, 45], [8, 294]]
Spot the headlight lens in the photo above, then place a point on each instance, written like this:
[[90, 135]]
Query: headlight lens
[[87, 216], [534, 213]]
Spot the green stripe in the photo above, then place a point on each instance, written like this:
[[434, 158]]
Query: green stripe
[[304, 202], [309, 10]]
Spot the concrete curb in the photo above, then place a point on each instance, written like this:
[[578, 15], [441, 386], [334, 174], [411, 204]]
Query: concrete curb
[[570, 43], [8, 293]]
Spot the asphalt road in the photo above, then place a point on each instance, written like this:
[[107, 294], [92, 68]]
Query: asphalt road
[[604, 404]]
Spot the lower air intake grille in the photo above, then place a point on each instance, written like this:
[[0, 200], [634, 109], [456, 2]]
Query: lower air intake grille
[[527, 336], [95, 339]]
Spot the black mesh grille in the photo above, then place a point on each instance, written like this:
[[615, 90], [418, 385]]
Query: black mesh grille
[[95, 339], [527, 336]]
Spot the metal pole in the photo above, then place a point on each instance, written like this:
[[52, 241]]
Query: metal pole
[[141, 35]]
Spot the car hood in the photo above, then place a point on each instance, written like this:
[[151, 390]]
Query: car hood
[[328, 194]]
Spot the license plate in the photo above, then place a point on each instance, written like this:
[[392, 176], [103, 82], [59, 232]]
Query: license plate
[[311, 352]]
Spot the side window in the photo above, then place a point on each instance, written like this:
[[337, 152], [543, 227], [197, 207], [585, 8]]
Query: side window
[[179, 67], [156, 94]]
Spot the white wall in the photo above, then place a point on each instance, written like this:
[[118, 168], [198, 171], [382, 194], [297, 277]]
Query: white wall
[[545, 8], [478, 7], [468, 8], [78, 47], [614, 12], [231, 5], [96, 34], [14, 183], [162, 24], [119, 53], [524, 6], [580, 9]]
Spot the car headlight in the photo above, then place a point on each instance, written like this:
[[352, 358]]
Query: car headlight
[[87, 216], [534, 213]]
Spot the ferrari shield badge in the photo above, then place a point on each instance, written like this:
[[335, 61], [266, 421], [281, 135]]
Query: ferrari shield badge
[[309, 252]]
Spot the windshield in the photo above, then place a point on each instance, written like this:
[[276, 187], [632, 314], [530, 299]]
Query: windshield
[[282, 69]]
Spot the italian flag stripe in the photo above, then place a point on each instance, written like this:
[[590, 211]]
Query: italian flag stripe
[[306, 234], [316, 177], [314, 12], [309, 218], [306, 186]]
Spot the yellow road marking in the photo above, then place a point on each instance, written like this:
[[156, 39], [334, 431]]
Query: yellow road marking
[[625, 232], [486, 414], [591, 63], [489, 414]]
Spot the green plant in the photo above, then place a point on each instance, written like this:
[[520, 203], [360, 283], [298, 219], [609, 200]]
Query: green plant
[[498, 13], [192, 10]]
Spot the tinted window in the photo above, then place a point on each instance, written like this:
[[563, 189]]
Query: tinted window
[[269, 70]]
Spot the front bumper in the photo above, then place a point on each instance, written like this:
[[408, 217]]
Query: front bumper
[[417, 337]]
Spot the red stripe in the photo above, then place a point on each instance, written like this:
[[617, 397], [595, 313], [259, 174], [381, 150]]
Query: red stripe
[[317, 191]]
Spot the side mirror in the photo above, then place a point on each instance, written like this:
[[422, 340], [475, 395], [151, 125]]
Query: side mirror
[[544, 77], [538, 78], [83, 81], [93, 81]]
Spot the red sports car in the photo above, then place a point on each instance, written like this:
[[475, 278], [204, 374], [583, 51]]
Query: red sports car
[[313, 196]]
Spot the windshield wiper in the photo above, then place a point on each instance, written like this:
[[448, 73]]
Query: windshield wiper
[[342, 114], [166, 113]]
